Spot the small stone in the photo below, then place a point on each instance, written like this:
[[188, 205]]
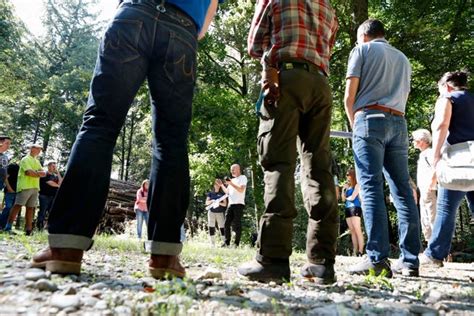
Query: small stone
[[34, 274], [179, 299], [122, 310], [432, 296], [102, 305], [96, 293], [424, 310], [89, 301], [53, 310], [147, 282], [325, 310], [65, 301], [98, 286], [210, 273], [350, 292], [69, 310], [70, 290], [45, 285]]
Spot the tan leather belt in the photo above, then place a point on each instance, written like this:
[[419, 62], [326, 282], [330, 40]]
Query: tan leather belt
[[382, 108]]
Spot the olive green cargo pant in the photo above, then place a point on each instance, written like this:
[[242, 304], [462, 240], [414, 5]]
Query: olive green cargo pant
[[300, 121]]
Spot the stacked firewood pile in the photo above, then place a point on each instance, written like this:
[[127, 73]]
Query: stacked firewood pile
[[119, 207]]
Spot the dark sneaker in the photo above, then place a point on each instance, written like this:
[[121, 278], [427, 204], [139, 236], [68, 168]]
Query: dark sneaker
[[399, 267], [58, 260], [265, 272], [366, 266], [428, 261], [319, 273], [165, 267]]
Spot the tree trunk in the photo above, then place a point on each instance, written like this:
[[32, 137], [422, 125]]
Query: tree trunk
[[360, 13], [122, 152], [129, 146]]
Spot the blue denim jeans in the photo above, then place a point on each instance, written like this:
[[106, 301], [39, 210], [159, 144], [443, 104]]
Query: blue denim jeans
[[141, 43], [445, 222], [380, 143], [141, 216], [45, 203], [9, 202]]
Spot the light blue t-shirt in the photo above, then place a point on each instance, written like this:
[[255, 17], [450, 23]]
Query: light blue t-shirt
[[384, 74]]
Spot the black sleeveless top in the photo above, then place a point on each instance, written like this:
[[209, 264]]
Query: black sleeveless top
[[461, 126]]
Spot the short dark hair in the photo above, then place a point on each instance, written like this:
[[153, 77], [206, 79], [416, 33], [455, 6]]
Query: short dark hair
[[456, 79], [372, 28]]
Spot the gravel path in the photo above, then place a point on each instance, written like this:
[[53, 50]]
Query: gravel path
[[114, 283]]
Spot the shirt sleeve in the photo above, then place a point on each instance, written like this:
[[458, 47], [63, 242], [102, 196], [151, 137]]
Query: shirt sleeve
[[354, 66], [243, 180], [260, 32]]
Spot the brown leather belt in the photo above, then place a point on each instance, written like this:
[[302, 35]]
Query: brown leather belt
[[382, 108]]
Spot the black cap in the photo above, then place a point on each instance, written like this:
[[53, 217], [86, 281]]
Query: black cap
[[3, 137]]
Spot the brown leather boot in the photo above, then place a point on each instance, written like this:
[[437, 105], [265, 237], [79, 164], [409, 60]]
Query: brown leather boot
[[165, 267], [58, 260]]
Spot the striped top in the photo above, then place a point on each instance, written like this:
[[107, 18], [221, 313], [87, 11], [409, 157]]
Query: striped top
[[289, 30]]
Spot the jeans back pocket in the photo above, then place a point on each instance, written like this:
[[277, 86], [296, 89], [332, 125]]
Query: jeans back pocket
[[180, 60], [120, 41]]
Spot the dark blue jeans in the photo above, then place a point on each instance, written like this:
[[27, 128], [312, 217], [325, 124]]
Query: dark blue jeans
[[380, 143], [140, 44], [9, 202], [45, 203]]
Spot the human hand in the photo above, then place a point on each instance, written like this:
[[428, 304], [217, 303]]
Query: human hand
[[270, 86]]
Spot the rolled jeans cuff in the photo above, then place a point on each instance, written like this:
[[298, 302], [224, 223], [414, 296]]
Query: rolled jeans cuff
[[70, 241], [163, 248]]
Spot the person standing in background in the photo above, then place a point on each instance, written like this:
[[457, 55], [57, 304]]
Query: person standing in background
[[236, 191], [353, 211], [48, 187], [141, 209], [28, 186]]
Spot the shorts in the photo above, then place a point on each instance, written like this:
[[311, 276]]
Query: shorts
[[27, 197], [353, 211], [212, 218]]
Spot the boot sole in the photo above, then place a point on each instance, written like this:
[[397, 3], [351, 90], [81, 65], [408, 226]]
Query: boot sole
[[165, 273], [63, 267]]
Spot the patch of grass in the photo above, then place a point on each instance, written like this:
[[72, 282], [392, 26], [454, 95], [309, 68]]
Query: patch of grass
[[379, 281], [118, 242]]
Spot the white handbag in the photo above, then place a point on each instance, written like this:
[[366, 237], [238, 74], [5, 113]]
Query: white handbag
[[455, 170]]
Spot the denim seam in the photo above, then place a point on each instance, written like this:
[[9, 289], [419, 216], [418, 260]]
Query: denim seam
[[69, 241], [163, 248]]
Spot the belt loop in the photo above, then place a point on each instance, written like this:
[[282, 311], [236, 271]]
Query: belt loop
[[161, 7]]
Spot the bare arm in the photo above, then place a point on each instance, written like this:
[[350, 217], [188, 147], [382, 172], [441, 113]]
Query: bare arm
[[35, 174], [239, 188], [352, 85], [355, 193], [211, 11], [53, 184], [440, 126]]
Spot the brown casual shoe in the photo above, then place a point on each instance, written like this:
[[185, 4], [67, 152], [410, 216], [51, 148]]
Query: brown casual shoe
[[165, 267], [58, 260]]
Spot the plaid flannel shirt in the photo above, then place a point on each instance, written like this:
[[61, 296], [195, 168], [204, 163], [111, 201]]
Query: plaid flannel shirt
[[289, 30]]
